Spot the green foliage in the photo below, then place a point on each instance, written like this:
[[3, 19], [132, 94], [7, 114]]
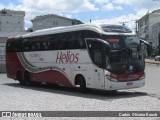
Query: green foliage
[[30, 30], [76, 22]]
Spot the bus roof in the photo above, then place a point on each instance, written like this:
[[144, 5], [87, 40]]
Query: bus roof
[[99, 28]]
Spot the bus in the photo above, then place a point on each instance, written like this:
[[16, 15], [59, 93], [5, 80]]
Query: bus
[[99, 56]]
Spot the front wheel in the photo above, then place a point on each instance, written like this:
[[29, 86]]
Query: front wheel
[[82, 83], [112, 92]]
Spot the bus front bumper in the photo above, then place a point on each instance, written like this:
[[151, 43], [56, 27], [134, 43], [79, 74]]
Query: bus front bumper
[[109, 85]]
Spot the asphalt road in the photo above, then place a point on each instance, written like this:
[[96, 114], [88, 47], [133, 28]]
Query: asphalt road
[[14, 97], [152, 85]]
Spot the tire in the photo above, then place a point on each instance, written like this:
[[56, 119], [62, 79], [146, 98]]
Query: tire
[[20, 78], [82, 84], [114, 91], [27, 80]]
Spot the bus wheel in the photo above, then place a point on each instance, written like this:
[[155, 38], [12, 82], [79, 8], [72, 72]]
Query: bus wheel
[[82, 84], [112, 92], [27, 80], [20, 78]]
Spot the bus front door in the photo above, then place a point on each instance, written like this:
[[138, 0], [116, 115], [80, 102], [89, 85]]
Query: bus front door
[[96, 75], [96, 52]]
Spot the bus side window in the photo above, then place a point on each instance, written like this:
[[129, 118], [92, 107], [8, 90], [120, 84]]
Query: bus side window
[[79, 42], [46, 42], [10, 46], [72, 44], [13, 46], [56, 42], [68, 40], [27, 46], [37, 46], [53, 44], [44, 45], [63, 39]]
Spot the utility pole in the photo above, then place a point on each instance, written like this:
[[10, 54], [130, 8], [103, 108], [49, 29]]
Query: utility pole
[[90, 21], [136, 21]]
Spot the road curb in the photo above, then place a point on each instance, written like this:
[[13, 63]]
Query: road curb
[[155, 63]]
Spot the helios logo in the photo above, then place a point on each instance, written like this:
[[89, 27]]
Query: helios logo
[[67, 57]]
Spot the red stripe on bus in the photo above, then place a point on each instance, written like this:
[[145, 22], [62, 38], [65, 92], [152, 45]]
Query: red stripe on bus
[[51, 76]]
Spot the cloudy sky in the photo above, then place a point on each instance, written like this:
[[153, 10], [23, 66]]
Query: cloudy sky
[[106, 11]]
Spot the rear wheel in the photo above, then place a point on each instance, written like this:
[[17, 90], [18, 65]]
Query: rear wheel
[[27, 80], [20, 78]]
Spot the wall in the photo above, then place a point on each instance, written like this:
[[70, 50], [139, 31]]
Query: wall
[[12, 21], [49, 22], [155, 34], [2, 58], [153, 19]]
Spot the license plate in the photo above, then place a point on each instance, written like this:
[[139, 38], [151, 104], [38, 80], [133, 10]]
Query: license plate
[[129, 83]]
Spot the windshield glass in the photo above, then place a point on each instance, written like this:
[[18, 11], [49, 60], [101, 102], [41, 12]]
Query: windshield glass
[[116, 28], [125, 54]]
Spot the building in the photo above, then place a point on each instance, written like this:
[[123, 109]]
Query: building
[[156, 34], [49, 21], [145, 26], [11, 21], [11, 24], [2, 57]]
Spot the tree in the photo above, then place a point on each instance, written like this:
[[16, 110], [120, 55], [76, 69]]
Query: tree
[[76, 22], [30, 30]]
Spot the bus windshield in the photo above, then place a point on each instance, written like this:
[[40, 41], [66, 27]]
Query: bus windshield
[[125, 54], [116, 28]]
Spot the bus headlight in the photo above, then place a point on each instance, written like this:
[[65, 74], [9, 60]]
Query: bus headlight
[[143, 76]]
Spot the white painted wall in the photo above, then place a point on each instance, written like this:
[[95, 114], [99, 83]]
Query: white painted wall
[[12, 21], [49, 22]]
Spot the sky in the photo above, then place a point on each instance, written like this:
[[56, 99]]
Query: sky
[[98, 11]]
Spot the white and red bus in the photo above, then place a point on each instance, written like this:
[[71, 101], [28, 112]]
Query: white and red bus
[[105, 57]]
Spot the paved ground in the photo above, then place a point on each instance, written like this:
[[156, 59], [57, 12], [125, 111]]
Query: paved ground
[[152, 86], [14, 97]]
